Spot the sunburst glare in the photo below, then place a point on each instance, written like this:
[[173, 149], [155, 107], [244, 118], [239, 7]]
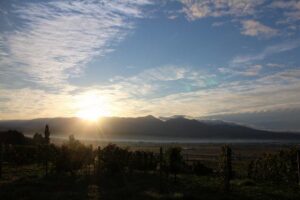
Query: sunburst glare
[[92, 106]]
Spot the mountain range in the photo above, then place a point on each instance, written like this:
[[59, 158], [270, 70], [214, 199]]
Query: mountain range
[[147, 127]]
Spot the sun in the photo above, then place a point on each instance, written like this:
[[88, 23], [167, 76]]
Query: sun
[[91, 106], [89, 114]]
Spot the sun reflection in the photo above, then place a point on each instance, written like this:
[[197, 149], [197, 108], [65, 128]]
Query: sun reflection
[[92, 106]]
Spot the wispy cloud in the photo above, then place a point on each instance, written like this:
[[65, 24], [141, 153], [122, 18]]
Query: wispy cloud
[[255, 28], [58, 38], [249, 14], [252, 70], [162, 81], [265, 93], [275, 91], [268, 51], [291, 9], [274, 65], [199, 9]]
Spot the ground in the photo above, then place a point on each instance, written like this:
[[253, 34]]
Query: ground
[[30, 182]]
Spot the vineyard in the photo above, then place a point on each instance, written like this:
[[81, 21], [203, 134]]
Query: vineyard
[[167, 168]]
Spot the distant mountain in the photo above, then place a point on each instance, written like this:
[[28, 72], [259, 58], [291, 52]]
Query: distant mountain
[[285, 119], [147, 127]]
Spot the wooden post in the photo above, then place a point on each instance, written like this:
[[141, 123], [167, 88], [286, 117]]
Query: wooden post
[[47, 158], [98, 161], [227, 167], [298, 162], [145, 162], [229, 158], [160, 169], [1, 158]]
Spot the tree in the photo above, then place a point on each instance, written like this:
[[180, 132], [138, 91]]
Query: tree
[[175, 160], [72, 156], [47, 134], [113, 159], [38, 139]]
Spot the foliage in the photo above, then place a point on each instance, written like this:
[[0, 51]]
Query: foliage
[[113, 159], [174, 160], [225, 168], [72, 156], [142, 160], [38, 138], [280, 167], [47, 134], [19, 154]]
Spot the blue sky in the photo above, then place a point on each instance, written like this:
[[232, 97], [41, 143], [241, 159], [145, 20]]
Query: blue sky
[[132, 58]]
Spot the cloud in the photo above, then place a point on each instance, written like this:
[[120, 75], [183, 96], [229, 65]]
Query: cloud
[[255, 28], [278, 120], [252, 70], [268, 51], [210, 8], [279, 90], [291, 9], [267, 92], [249, 14], [57, 39], [162, 81], [274, 65], [217, 24]]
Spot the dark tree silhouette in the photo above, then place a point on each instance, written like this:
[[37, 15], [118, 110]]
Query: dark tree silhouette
[[38, 138], [47, 134], [175, 160], [113, 159]]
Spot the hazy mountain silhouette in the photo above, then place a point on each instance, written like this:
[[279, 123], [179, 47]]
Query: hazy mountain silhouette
[[144, 128]]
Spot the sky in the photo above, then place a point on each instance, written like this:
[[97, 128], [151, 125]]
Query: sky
[[202, 59]]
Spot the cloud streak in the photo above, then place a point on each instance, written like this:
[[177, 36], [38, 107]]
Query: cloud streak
[[275, 91], [57, 39], [252, 70], [268, 51], [163, 81]]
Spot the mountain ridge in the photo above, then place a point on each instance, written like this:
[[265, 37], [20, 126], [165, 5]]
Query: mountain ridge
[[144, 127]]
